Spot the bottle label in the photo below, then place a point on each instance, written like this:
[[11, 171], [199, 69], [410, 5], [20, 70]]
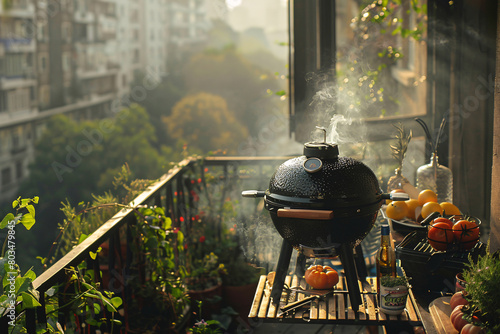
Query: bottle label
[[393, 299]]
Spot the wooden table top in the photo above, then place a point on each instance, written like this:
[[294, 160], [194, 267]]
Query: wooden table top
[[334, 308]]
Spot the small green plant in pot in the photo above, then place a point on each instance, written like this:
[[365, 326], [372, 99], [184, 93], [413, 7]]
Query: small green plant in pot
[[483, 293], [393, 294]]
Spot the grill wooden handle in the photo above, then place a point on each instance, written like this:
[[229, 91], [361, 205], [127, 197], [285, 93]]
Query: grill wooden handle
[[306, 214]]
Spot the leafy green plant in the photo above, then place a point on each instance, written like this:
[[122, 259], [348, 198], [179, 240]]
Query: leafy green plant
[[159, 283], [17, 293], [483, 293], [206, 272], [83, 300], [391, 282]]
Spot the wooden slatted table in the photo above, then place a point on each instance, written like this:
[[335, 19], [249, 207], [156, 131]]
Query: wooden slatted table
[[334, 308]]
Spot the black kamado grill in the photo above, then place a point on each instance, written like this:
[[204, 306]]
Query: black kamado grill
[[322, 205]]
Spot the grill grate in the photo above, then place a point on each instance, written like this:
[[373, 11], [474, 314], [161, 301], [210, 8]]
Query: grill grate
[[429, 269], [417, 242]]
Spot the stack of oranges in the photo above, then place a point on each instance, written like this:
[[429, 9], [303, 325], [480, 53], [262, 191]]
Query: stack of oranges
[[417, 209]]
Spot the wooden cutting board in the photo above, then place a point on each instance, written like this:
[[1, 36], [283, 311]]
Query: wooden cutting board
[[440, 311]]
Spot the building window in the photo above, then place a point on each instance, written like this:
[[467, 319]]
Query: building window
[[66, 32], [44, 94], [6, 176], [66, 61], [19, 170], [43, 64], [3, 101]]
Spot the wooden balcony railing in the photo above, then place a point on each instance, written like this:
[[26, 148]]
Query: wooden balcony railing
[[172, 192]]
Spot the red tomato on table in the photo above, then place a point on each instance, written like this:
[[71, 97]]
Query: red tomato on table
[[466, 233], [440, 235]]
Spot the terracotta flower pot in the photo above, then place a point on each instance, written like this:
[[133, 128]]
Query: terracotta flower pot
[[240, 298], [210, 298]]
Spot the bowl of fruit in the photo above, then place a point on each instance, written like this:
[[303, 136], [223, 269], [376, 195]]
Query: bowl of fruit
[[407, 215], [454, 233]]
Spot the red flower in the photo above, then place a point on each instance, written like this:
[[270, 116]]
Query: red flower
[[181, 219], [199, 180], [202, 238]]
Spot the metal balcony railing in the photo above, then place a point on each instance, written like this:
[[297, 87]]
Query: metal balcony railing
[[174, 192]]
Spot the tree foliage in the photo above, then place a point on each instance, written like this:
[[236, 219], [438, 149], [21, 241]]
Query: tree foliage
[[243, 85], [204, 121], [74, 159]]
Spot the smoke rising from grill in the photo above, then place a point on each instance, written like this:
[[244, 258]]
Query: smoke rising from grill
[[336, 113], [263, 242]]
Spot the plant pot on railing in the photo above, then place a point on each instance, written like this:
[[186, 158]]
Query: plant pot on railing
[[210, 297]]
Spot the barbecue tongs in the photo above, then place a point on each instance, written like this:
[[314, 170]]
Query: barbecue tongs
[[298, 304]]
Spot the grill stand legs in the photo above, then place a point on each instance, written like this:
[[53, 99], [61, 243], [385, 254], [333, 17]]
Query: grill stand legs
[[281, 271], [347, 258]]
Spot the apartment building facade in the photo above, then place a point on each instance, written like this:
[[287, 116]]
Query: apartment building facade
[[80, 58]]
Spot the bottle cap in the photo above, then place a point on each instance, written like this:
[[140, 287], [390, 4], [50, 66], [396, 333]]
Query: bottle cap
[[384, 229]]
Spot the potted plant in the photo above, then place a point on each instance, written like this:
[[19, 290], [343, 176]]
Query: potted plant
[[483, 293], [239, 285], [393, 294], [204, 283]]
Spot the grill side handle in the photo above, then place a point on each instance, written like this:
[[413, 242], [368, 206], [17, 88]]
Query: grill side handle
[[253, 193], [305, 214], [395, 196]]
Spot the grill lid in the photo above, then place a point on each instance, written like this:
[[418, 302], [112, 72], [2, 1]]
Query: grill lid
[[322, 179]]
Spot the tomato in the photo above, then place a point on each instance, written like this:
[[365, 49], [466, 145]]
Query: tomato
[[471, 329], [443, 220], [458, 299], [466, 233], [457, 319], [440, 235], [321, 277]]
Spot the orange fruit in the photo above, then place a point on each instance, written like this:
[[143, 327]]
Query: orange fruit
[[397, 210], [413, 205], [429, 208], [450, 209], [427, 195]]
